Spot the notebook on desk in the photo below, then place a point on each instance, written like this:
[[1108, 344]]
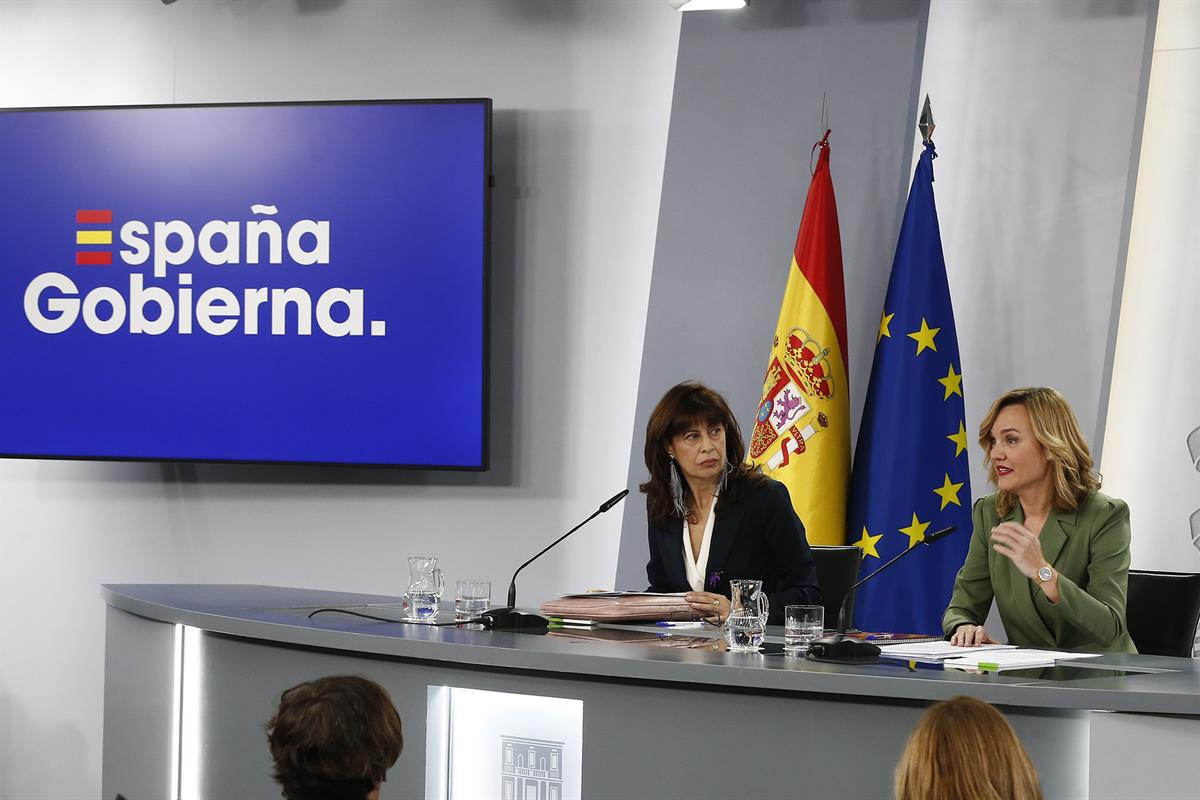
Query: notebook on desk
[[886, 639]]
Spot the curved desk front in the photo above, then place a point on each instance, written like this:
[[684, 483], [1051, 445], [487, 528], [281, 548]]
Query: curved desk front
[[192, 673]]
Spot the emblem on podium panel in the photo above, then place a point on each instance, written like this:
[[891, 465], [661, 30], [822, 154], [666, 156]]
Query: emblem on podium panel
[[797, 378], [530, 769]]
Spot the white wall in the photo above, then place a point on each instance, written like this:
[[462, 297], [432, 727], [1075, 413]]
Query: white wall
[[1038, 109], [1155, 403], [582, 97]]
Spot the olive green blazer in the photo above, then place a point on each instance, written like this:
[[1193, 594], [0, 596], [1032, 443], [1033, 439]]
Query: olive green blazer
[[1088, 547]]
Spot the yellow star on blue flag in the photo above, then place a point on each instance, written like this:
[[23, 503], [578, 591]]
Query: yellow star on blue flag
[[948, 491], [959, 439], [924, 337], [952, 382], [867, 543], [915, 531]]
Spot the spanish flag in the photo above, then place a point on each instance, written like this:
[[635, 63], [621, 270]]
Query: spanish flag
[[802, 431]]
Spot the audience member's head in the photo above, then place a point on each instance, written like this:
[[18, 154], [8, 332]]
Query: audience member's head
[[334, 739], [965, 749]]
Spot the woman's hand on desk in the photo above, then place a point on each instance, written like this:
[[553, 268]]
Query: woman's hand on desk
[[708, 606], [971, 636]]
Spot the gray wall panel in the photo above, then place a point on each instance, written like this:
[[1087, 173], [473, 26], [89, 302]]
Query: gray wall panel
[[1039, 109], [746, 110]]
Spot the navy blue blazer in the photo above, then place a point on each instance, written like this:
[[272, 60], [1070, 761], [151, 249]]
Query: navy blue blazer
[[758, 537]]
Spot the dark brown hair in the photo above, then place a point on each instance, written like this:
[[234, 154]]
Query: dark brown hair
[[681, 407], [334, 738], [965, 749]]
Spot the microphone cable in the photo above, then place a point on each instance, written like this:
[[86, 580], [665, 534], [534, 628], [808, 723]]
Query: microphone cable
[[397, 621]]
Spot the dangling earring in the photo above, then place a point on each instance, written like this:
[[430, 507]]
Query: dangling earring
[[725, 476], [677, 491]]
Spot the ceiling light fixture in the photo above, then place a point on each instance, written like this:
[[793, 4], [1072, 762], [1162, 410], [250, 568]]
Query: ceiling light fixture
[[706, 5]]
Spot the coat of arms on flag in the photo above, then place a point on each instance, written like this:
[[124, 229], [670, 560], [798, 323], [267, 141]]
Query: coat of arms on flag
[[793, 382]]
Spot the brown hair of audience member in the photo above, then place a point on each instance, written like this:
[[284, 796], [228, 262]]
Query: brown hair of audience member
[[1057, 431], [965, 749], [334, 738]]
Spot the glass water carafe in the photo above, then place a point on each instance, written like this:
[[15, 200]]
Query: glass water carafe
[[747, 620], [425, 585]]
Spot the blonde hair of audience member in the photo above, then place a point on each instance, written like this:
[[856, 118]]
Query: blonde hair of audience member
[[1057, 431], [965, 749]]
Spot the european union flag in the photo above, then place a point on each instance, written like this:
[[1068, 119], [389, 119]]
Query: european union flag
[[911, 473]]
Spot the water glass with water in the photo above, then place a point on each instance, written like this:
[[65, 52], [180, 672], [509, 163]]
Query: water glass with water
[[471, 598], [801, 625]]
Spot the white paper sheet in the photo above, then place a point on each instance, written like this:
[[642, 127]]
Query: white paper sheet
[[935, 651], [1015, 659]]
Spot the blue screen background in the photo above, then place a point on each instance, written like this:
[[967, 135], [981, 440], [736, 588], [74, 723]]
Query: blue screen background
[[403, 188]]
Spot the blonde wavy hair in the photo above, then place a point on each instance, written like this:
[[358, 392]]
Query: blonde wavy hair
[[1057, 431], [965, 749]]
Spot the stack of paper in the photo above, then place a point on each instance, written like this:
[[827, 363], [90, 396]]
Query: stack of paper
[[935, 651], [1014, 659], [983, 658]]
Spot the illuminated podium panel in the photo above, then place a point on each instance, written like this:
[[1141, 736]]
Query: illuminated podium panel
[[193, 672]]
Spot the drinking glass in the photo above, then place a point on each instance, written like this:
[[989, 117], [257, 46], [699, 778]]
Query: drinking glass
[[471, 598], [801, 625]]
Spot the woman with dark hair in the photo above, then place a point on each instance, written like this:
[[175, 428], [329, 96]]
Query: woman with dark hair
[[714, 520], [1048, 546]]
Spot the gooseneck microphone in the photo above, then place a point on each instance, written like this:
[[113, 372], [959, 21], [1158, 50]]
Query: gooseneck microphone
[[508, 617], [840, 648]]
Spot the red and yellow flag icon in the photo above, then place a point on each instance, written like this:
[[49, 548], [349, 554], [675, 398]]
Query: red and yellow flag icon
[[92, 236], [802, 432]]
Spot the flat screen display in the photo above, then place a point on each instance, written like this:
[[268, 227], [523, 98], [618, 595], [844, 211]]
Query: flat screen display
[[287, 283]]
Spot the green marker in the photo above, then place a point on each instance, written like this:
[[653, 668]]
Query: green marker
[[988, 666]]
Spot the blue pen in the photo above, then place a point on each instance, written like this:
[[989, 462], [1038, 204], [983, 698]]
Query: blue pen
[[666, 624]]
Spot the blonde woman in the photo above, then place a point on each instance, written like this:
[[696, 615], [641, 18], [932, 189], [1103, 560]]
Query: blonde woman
[[1051, 549], [965, 749]]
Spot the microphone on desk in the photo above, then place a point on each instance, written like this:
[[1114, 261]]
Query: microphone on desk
[[841, 649], [508, 618]]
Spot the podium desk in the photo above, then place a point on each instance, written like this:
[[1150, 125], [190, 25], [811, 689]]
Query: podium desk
[[192, 673]]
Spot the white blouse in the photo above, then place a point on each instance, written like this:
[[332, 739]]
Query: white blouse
[[692, 565]]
